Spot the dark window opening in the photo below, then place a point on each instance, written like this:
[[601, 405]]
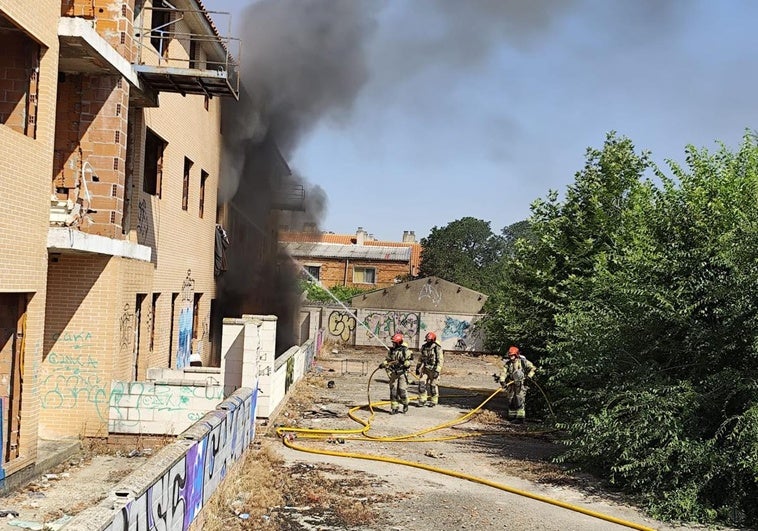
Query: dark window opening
[[186, 183], [19, 72], [140, 299], [203, 179], [196, 316], [314, 273], [153, 318], [154, 149], [160, 28]]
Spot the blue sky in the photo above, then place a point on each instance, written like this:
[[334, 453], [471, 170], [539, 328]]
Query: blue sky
[[478, 107]]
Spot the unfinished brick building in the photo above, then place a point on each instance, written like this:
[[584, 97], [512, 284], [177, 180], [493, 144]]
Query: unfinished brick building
[[110, 148]]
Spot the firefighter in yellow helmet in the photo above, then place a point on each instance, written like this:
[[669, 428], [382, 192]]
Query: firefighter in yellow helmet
[[429, 366], [515, 370], [397, 363]]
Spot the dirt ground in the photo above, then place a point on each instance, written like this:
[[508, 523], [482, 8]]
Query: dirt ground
[[51, 500], [288, 489], [329, 492]]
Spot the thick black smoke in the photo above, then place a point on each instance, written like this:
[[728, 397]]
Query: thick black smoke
[[303, 61]]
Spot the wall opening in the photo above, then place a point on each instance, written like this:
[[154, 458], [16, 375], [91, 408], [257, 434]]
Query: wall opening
[[12, 351]]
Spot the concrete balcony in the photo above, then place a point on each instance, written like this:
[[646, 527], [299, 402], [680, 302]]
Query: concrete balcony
[[179, 49], [65, 240], [84, 51]]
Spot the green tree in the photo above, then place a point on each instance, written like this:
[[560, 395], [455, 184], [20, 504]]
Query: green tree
[[465, 251], [565, 239], [521, 230], [664, 346], [639, 297]]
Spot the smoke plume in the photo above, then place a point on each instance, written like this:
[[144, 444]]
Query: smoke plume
[[303, 61]]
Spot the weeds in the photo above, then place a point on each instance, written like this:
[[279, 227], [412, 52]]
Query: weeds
[[262, 488]]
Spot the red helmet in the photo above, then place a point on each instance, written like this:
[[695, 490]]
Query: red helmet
[[431, 336], [397, 338], [513, 351]]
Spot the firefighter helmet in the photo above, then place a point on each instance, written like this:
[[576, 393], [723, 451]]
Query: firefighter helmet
[[431, 336], [513, 351], [397, 338]]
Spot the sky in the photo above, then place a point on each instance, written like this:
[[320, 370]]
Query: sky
[[411, 114]]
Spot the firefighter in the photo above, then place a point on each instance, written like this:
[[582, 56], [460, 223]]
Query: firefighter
[[429, 365], [515, 370], [397, 363]]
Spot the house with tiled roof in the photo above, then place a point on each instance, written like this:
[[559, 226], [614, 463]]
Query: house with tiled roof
[[354, 260]]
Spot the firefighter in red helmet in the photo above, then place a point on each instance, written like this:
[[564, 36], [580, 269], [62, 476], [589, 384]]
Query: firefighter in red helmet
[[397, 363], [429, 366], [515, 370]]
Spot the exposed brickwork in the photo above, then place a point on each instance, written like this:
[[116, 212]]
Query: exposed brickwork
[[25, 169], [19, 82], [82, 323]]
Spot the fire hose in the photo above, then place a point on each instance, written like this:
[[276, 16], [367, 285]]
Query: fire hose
[[291, 434]]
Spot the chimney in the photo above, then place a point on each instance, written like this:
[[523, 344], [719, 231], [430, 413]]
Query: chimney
[[409, 236], [360, 236]]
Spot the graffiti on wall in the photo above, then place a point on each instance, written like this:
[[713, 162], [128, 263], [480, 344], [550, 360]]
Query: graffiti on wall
[[290, 376], [428, 291], [73, 380], [177, 496], [461, 334], [341, 324], [143, 223], [131, 402], [384, 324], [185, 322], [126, 328]]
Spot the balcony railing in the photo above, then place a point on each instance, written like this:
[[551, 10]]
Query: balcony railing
[[180, 50]]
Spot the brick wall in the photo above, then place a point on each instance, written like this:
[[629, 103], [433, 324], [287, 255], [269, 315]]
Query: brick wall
[[78, 353], [335, 272], [25, 169]]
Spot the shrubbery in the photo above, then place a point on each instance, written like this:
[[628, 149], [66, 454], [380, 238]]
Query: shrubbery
[[636, 293]]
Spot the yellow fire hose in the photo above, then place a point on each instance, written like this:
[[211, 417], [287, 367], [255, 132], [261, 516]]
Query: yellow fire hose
[[290, 434]]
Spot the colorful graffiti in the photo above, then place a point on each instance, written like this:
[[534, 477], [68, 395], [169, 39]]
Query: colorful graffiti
[[184, 346], [341, 324], [455, 328], [175, 499], [461, 334], [384, 324]]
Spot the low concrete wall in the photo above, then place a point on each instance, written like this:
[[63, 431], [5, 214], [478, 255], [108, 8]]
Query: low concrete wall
[[170, 490], [171, 400], [167, 403], [247, 355]]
